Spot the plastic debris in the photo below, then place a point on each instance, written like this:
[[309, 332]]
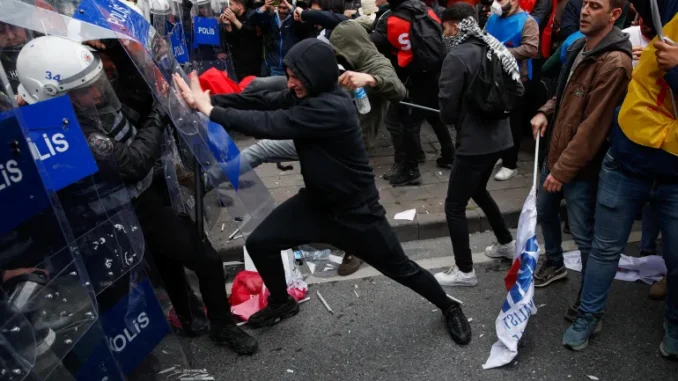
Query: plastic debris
[[481, 335], [223, 226], [406, 215], [470, 320], [324, 302], [434, 310], [356, 293], [455, 299], [594, 378], [541, 305], [290, 371]]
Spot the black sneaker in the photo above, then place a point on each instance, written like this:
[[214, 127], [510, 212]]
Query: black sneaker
[[573, 310], [395, 168], [457, 325], [406, 176], [444, 162], [233, 336], [274, 313], [549, 273]]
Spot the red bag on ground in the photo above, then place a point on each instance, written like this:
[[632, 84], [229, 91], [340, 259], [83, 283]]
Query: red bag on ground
[[249, 295], [217, 82]]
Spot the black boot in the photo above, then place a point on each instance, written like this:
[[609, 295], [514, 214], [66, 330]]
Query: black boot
[[394, 169], [445, 162], [407, 175], [458, 325], [273, 313], [195, 323], [233, 336]]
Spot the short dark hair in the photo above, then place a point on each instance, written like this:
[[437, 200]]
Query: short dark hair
[[335, 6], [617, 4], [460, 11]]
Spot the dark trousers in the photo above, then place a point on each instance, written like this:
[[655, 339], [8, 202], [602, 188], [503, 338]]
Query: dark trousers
[[517, 119], [364, 232], [404, 123], [468, 180], [174, 244]]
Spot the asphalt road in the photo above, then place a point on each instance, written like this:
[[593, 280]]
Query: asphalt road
[[387, 332]]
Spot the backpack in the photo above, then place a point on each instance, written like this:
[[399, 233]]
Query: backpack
[[493, 93], [428, 48]]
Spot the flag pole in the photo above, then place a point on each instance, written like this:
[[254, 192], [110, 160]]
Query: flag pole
[[536, 162]]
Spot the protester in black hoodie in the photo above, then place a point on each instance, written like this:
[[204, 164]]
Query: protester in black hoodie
[[340, 204]]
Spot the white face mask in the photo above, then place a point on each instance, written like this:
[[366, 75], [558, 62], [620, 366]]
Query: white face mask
[[496, 8]]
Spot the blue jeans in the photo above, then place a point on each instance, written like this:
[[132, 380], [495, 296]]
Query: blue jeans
[[648, 239], [580, 196], [620, 197]]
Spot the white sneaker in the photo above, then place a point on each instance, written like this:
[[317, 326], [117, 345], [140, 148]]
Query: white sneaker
[[505, 174], [501, 251], [498, 163], [454, 277]]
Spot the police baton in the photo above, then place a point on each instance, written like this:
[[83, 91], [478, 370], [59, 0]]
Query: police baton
[[419, 107]]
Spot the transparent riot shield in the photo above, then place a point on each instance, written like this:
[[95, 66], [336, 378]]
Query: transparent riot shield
[[71, 241], [231, 185]]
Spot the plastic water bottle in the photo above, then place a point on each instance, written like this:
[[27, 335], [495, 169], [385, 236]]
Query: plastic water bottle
[[361, 101]]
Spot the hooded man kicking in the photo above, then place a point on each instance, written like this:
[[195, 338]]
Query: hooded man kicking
[[340, 204]]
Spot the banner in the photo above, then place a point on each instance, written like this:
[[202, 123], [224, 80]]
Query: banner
[[206, 31], [58, 142]]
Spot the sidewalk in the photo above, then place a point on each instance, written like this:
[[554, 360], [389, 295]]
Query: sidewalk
[[428, 199]]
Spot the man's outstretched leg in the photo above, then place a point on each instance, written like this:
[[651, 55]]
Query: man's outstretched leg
[[366, 232], [294, 222]]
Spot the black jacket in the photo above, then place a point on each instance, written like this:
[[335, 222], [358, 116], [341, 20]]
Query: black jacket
[[245, 47], [324, 126], [475, 134]]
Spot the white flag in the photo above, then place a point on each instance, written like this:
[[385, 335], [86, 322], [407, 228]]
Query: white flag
[[519, 303]]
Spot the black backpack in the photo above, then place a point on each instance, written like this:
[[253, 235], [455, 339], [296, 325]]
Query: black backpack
[[426, 37], [493, 93]]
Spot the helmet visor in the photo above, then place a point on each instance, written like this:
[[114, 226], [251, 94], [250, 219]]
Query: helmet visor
[[96, 98]]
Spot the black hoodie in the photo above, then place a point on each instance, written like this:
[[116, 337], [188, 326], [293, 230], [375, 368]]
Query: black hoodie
[[324, 126]]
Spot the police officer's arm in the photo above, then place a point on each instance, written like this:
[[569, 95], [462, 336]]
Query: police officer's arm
[[529, 43], [261, 100], [133, 161]]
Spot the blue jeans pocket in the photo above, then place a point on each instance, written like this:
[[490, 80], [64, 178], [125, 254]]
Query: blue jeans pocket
[[610, 182]]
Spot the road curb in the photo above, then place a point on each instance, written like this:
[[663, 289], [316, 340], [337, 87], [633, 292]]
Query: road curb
[[425, 226]]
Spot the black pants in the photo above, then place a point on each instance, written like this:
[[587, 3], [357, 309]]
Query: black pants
[[468, 180], [404, 123], [364, 232], [173, 241], [510, 156]]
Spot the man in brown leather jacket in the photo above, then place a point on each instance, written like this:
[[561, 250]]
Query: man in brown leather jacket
[[592, 83]]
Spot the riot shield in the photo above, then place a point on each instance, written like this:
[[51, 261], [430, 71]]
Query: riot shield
[[71, 240], [231, 185], [207, 49]]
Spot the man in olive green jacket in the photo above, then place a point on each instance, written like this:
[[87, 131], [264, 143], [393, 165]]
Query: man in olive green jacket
[[366, 68]]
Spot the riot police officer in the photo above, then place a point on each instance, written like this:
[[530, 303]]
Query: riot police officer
[[130, 137]]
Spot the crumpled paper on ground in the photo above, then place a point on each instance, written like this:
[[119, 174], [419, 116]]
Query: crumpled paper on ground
[[648, 269]]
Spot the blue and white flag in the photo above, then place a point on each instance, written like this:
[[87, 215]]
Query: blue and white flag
[[519, 303]]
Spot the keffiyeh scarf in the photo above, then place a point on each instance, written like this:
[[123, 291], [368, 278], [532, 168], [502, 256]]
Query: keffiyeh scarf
[[468, 27]]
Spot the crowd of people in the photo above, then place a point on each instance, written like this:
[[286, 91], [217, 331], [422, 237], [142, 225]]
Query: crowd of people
[[600, 99]]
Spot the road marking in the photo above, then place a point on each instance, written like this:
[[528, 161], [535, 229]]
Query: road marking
[[431, 263]]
